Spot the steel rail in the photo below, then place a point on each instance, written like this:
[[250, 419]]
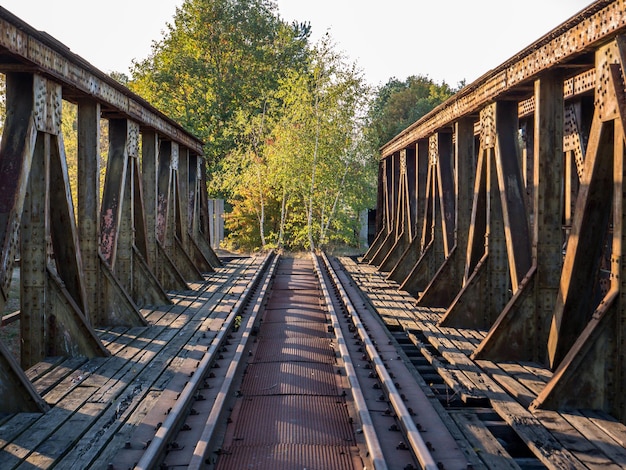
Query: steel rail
[[174, 420], [202, 447], [369, 432], [416, 443]]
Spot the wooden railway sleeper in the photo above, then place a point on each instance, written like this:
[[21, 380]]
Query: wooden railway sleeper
[[166, 433], [417, 444], [449, 450]]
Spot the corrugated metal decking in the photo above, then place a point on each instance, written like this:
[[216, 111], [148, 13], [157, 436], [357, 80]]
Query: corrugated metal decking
[[291, 412]]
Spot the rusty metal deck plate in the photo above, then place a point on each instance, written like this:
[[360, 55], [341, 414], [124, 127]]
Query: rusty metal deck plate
[[291, 413], [282, 378], [289, 315], [296, 419], [287, 282], [295, 299], [295, 349], [301, 329], [283, 456]]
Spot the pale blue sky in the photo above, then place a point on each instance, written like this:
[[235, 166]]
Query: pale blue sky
[[447, 40]]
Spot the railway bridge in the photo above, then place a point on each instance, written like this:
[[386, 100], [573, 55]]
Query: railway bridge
[[483, 328]]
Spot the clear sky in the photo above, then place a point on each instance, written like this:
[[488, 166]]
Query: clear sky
[[447, 40]]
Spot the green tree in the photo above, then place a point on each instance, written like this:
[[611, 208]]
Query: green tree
[[399, 104], [219, 58], [282, 120], [302, 170]]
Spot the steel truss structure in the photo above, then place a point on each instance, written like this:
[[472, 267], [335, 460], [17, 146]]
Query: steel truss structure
[[98, 263], [505, 206]]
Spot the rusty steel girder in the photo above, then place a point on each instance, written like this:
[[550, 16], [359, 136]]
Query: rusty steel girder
[[533, 255], [98, 264]]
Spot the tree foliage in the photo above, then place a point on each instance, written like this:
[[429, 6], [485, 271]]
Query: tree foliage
[[281, 119], [219, 58], [399, 104], [302, 172], [290, 134]]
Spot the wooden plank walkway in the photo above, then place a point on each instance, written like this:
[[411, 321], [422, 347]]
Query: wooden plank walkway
[[572, 439], [98, 404]]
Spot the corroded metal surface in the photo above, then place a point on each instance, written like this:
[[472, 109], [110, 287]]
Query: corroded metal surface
[[535, 213], [282, 456], [590, 28], [289, 419], [296, 349], [290, 378], [291, 413], [37, 50], [80, 269]]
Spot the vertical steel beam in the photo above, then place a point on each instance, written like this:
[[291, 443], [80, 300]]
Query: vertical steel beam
[[574, 158], [125, 238], [447, 191], [126, 132], [64, 234], [548, 202], [592, 373], [167, 152], [392, 212], [149, 166], [614, 366], [117, 226], [520, 332], [34, 258], [202, 233], [486, 288], [139, 213], [392, 181], [447, 282], [193, 202], [16, 153], [384, 238], [411, 172], [428, 221], [201, 256], [380, 198], [114, 186], [16, 156], [498, 267], [183, 197], [575, 302], [53, 296], [88, 202], [186, 201], [411, 255], [403, 226], [174, 231], [512, 192], [167, 270], [438, 223], [465, 175], [478, 221]]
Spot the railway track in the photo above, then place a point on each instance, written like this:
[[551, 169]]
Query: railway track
[[296, 378]]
